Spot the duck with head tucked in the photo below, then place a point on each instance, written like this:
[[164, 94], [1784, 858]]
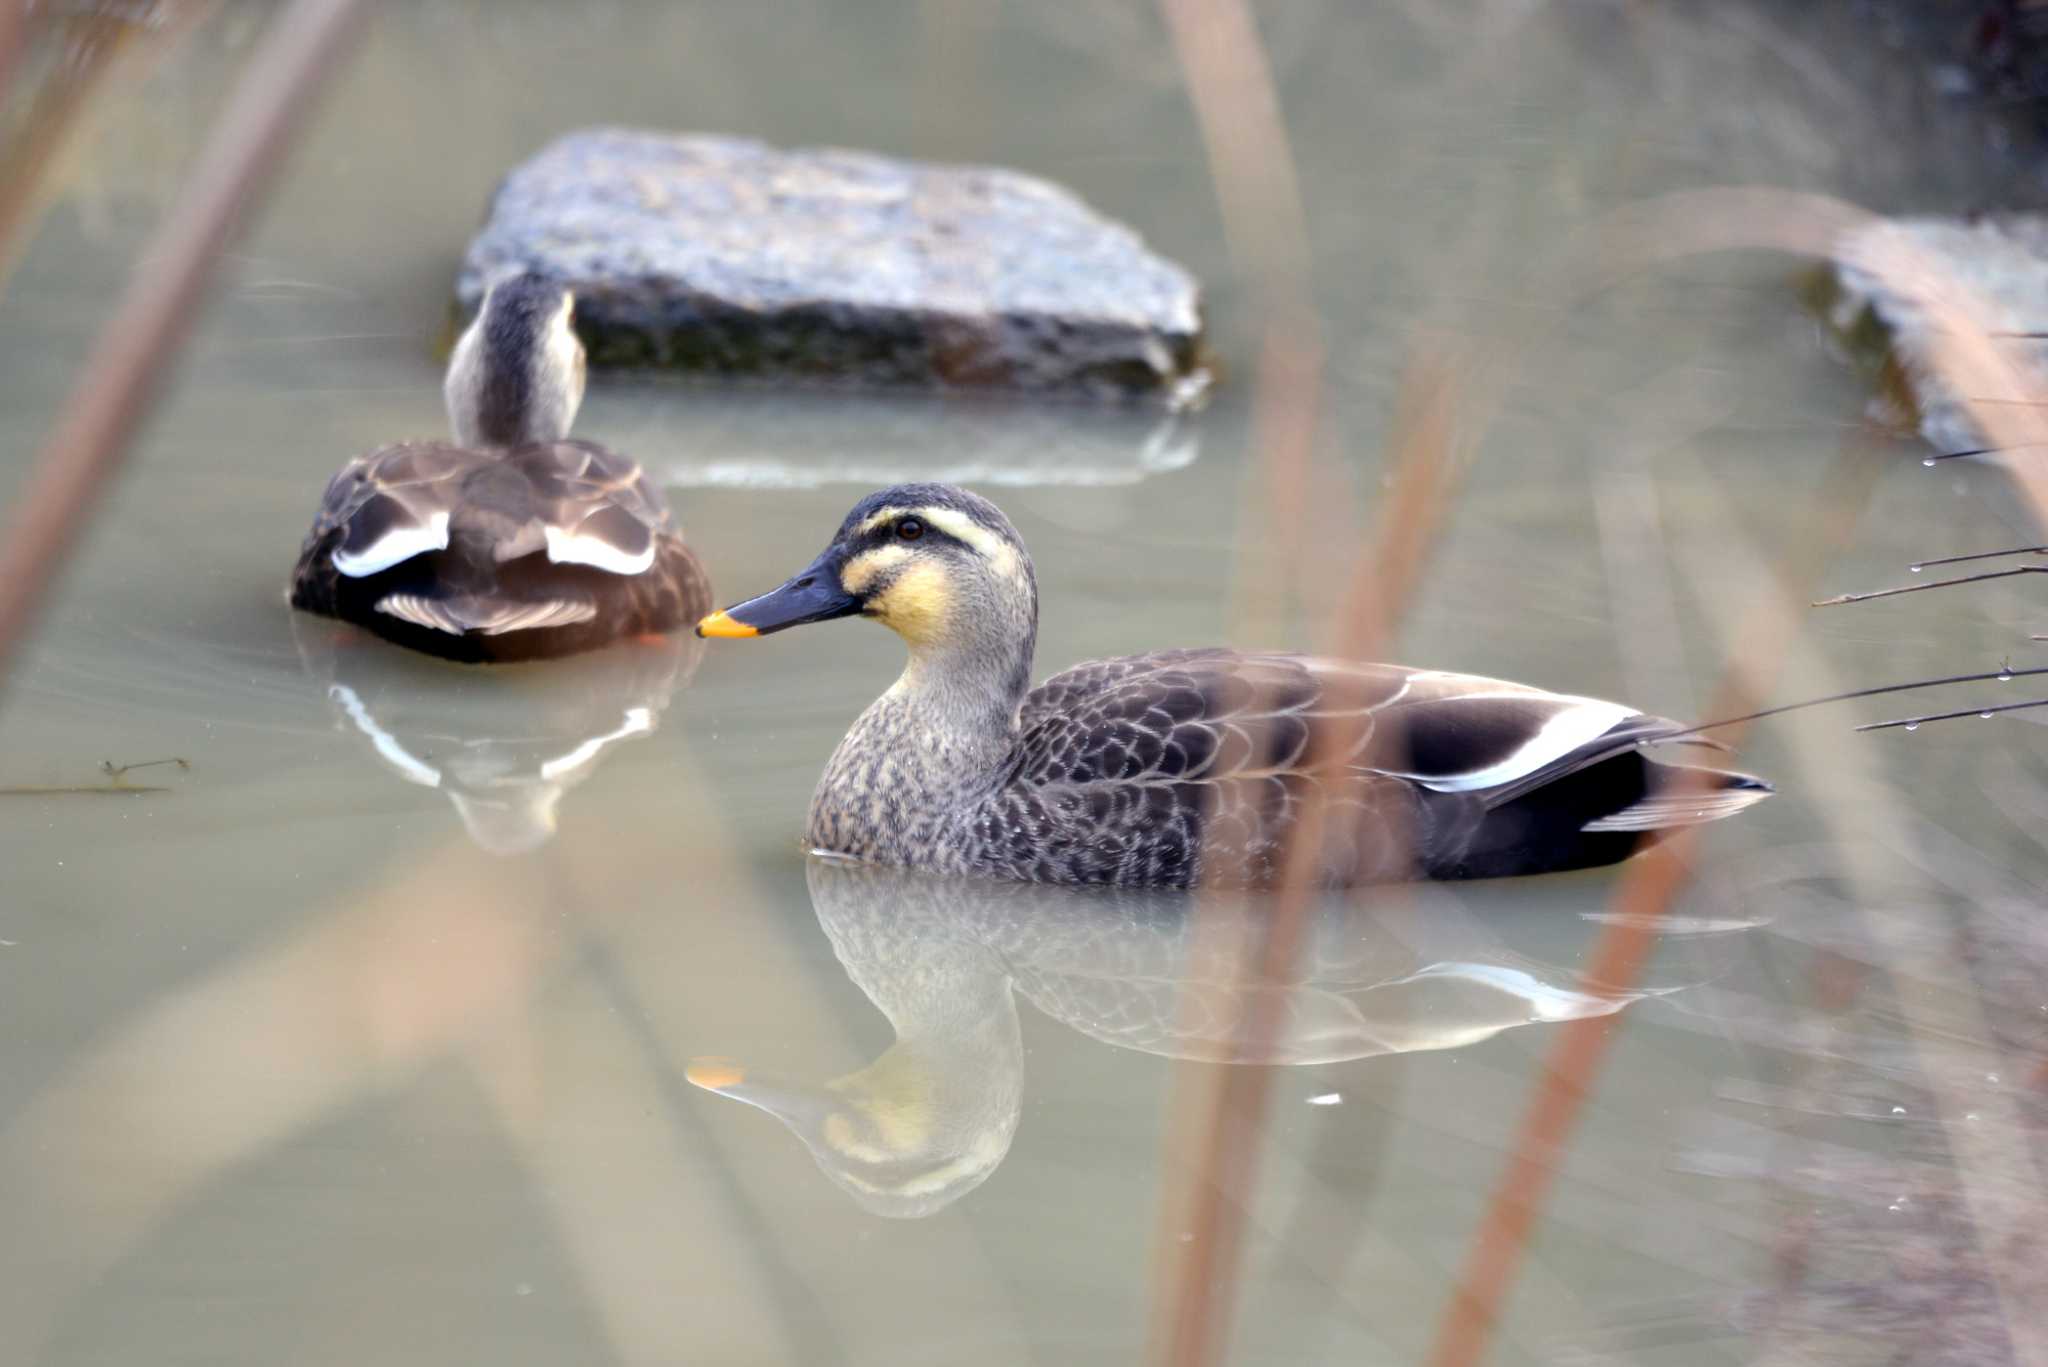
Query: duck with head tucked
[[1189, 767], [512, 542]]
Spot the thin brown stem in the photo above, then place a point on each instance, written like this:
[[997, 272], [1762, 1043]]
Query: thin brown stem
[[135, 348], [1842, 598], [1643, 894], [2002, 674], [13, 40], [1244, 132], [1980, 555], [1910, 722]]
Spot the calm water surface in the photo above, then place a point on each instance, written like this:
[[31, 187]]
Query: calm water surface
[[392, 1030]]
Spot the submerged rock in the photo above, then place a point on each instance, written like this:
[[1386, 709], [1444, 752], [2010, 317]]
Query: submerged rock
[[2004, 260], [726, 256]]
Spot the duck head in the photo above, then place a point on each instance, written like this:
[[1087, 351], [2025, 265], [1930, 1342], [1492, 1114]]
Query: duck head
[[941, 567], [516, 375]]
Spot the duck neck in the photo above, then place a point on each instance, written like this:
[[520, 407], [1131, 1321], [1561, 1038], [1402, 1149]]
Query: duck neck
[[924, 751], [516, 378], [965, 696]]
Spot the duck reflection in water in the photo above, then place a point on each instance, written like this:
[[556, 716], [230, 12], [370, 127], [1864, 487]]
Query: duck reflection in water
[[944, 959], [506, 747]]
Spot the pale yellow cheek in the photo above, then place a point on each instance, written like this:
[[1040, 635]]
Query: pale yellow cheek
[[863, 569], [917, 605]]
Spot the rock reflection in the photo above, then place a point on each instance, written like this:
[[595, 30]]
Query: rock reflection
[[770, 439], [945, 959], [505, 744]]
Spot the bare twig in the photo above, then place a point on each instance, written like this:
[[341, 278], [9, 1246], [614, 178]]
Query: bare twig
[[13, 39], [1251, 161], [97, 44], [135, 348], [1959, 455], [1979, 555], [1642, 896], [1912, 723], [2002, 674], [1842, 598]]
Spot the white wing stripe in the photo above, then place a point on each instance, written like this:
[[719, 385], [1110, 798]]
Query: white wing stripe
[[1577, 725], [567, 548], [396, 545]]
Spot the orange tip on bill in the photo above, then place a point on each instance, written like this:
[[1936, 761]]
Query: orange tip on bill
[[718, 624], [714, 1074]]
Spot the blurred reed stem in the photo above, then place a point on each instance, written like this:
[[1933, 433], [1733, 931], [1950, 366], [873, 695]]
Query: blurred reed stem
[[136, 348]]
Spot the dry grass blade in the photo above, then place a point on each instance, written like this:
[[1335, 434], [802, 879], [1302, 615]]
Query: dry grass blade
[[1866, 596], [1644, 893], [13, 40], [1980, 555], [136, 347], [1229, 1127], [1251, 161], [99, 43], [2003, 674], [1969, 362], [1909, 723]]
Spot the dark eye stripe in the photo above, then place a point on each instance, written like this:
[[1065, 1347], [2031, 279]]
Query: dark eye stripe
[[889, 532]]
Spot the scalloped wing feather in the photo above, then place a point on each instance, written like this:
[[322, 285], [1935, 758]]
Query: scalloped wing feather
[[595, 507], [1165, 763], [391, 505]]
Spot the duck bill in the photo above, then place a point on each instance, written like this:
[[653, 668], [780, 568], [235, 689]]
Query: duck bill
[[813, 596]]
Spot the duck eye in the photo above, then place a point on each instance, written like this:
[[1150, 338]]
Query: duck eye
[[910, 529]]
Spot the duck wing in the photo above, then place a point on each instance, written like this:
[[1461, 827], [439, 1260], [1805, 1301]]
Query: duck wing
[[586, 505], [391, 505], [1214, 715], [1213, 749]]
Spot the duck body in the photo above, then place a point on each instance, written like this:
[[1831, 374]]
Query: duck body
[[511, 542], [546, 549], [1193, 767]]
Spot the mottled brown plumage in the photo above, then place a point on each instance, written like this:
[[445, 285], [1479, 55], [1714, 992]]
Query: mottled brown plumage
[[493, 593]]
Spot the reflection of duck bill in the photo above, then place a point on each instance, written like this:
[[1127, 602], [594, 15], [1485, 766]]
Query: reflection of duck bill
[[803, 1110], [886, 1134]]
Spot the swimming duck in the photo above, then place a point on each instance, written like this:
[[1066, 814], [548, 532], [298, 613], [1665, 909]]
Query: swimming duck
[[512, 542], [1188, 767]]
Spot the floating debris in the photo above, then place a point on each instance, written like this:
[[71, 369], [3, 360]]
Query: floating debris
[[117, 783]]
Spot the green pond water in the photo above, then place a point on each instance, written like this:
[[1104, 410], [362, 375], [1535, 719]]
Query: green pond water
[[371, 1037]]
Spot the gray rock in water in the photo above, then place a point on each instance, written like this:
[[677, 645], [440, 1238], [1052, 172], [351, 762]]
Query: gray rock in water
[[726, 256], [2005, 261]]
